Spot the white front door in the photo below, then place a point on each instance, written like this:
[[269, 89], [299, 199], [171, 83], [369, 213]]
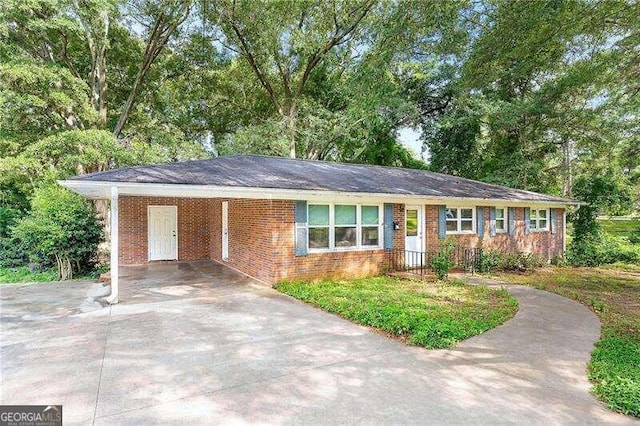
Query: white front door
[[413, 243], [225, 230], [163, 232]]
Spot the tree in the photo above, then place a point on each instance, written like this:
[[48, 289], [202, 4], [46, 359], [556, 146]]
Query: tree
[[62, 227], [285, 42]]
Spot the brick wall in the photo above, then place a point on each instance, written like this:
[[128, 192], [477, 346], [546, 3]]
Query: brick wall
[[335, 264], [542, 243], [261, 238], [193, 227], [250, 236]]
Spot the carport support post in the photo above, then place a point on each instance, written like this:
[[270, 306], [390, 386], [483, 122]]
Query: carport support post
[[113, 297]]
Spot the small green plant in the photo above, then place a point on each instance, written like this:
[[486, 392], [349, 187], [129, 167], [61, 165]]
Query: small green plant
[[443, 261], [597, 305], [491, 260]]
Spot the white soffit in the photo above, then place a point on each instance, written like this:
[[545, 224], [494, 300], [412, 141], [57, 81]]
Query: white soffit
[[102, 190]]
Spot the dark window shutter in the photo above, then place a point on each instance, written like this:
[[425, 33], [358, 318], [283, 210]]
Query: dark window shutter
[[480, 219], [388, 226], [492, 221], [552, 220], [512, 221], [527, 223], [442, 222], [301, 236]]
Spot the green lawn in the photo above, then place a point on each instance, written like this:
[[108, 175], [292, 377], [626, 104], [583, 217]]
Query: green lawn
[[22, 274], [429, 314], [619, 227], [613, 293]]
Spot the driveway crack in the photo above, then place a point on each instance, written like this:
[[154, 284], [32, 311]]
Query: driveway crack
[[104, 354]]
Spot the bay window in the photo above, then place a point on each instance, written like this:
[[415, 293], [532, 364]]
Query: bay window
[[344, 226]]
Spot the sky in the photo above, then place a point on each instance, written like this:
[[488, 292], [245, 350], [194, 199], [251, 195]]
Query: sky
[[410, 138]]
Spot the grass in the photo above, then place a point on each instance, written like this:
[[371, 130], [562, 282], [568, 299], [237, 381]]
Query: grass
[[429, 314], [23, 274], [613, 293], [619, 227]]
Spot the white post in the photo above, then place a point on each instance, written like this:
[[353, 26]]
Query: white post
[[113, 297], [564, 232]]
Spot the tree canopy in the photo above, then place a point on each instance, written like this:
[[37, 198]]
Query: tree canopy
[[535, 95]]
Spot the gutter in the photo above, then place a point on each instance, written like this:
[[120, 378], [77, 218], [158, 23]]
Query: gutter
[[102, 190]]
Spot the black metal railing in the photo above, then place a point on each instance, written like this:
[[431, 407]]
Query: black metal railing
[[468, 259], [415, 262]]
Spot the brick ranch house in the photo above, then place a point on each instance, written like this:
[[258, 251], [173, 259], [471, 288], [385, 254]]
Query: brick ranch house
[[277, 218]]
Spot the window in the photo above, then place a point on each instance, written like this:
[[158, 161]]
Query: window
[[370, 225], [538, 220], [501, 220], [460, 220], [318, 226], [344, 226], [412, 223]]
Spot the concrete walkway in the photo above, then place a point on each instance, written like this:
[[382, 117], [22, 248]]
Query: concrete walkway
[[197, 343]]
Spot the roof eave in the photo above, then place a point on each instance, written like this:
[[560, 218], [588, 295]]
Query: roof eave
[[101, 190]]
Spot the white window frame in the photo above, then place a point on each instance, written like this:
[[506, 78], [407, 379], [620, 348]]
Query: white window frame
[[505, 220], [459, 230], [359, 226], [537, 228]]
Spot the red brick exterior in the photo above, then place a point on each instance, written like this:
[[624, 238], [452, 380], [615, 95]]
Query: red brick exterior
[[543, 243], [194, 223], [261, 238]]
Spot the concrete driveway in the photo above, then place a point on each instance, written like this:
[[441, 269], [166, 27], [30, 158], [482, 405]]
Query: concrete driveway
[[198, 343]]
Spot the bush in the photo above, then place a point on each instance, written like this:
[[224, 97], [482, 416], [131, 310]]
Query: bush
[[62, 228], [490, 260], [12, 253], [522, 262], [8, 217], [634, 237], [443, 261], [604, 249]]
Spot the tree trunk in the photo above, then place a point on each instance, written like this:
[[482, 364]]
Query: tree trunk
[[291, 131], [567, 188], [97, 33], [100, 88], [165, 25], [65, 270]]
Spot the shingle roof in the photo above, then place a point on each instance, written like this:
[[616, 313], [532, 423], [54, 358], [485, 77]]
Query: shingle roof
[[255, 171]]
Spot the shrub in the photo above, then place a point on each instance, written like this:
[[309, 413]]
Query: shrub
[[443, 261], [521, 262], [490, 260], [605, 249], [8, 217], [61, 228], [12, 253], [634, 237]]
